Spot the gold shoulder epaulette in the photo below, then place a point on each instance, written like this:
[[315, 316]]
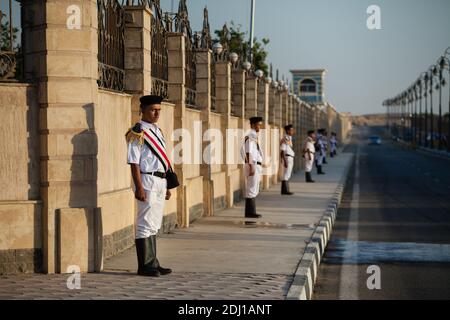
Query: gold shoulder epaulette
[[134, 134]]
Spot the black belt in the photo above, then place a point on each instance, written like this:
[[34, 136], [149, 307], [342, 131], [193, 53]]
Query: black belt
[[288, 155], [258, 163], [161, 175]]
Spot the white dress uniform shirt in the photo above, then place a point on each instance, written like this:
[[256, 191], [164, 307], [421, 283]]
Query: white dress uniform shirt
[[144, 157], [333, 144], [286, 146], [289, 154], [251, 147], [309, 148], [321, 153], [252, 182]]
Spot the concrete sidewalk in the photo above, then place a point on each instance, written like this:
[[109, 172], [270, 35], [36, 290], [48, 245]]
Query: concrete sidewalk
[[220, 257]]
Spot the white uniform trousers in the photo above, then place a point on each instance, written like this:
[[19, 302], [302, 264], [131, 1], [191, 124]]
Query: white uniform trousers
[[309, 163], [287, 172], [150, 213], [252, 183], [320, 158], [332, 148]]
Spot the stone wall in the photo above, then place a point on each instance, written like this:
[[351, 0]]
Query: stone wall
[[20, 205]]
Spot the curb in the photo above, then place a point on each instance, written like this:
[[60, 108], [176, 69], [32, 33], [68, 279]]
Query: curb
[[305, 276]]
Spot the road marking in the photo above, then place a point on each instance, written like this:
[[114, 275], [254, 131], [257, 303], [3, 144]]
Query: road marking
[[348, 284], [367, 252]]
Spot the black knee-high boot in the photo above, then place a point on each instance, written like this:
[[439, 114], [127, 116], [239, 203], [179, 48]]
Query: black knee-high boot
[[162, 271], [147, 262], [308, 177], [285, 188], [319, 170], [250, 208]]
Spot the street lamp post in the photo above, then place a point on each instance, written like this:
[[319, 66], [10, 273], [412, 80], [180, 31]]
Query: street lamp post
[[410, 114], [441, 65], [425, 95], [419, 97], [433, 73], [414, 95], [447, 65], [252, 30]]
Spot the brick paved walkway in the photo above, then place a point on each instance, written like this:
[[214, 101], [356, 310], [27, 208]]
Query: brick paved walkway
[[180, 286], [219, 257]]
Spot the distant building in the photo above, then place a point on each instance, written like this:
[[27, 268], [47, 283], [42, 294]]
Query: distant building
[[309, 85]]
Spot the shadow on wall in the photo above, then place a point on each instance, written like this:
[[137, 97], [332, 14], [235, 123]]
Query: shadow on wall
[[83, 195]]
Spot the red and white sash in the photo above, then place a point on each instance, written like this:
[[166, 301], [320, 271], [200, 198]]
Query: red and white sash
[[158, 147]]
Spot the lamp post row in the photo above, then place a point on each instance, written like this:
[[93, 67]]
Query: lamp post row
[[412, 110]]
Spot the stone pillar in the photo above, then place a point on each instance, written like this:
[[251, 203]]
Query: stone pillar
[[63, 63], [177, 94], [285, 109], [291, 109], [251, 97], [271, 105], [204, 60], [263, 111], [223, 101], [138, 59], [263, 100], [239, 109], [278, 108], [298, 135], [239, 96]]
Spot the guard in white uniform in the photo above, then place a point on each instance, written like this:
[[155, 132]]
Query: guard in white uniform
[[320, 151], [325, 144], [308, 153], [333, 145], [149, 177], [287, 156], [253, 167]]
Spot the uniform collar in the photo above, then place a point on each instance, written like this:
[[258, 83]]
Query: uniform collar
[[253, 134], [148, 125], [288, 137]]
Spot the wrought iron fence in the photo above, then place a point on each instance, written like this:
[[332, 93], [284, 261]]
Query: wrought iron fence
[[159, 54], [10, 46], [182, 25], [111, 49], [206, 44]]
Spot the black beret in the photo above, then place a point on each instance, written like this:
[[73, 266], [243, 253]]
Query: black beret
[[150, 100], [254, 120], [310, 132], [288, 127]]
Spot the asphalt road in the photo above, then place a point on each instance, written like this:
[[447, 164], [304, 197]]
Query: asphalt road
[[395, 215]]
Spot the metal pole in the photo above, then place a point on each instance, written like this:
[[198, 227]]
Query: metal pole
[[404, 109], [252, 30], [431, 112], [440, 109], [415, 117], [426, 114], [420, 114], [448, 115]]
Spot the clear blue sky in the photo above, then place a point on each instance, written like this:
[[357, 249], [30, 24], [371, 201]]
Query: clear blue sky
[[364, 67]]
